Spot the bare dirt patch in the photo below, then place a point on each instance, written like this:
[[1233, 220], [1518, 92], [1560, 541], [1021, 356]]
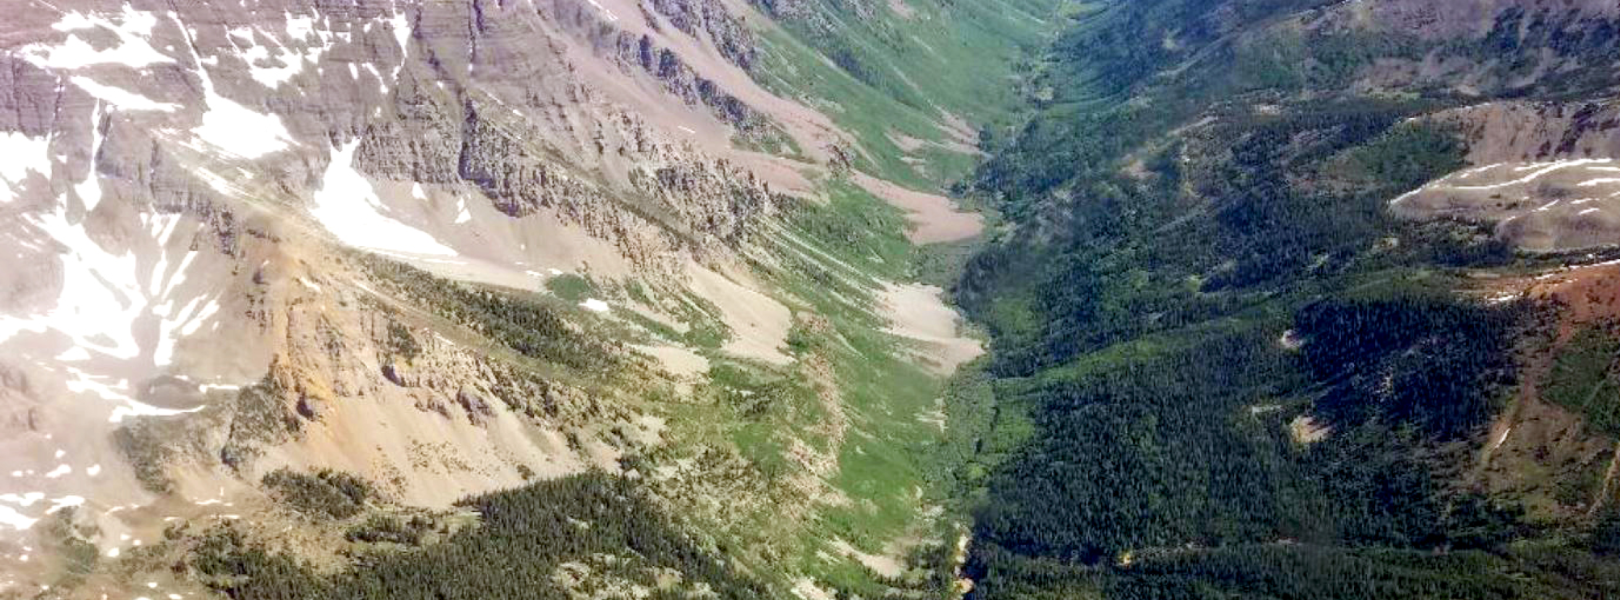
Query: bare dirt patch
[[919, 313], [887, 566], [934, 218], [1537, 206], [1306, 430], [759, 324]]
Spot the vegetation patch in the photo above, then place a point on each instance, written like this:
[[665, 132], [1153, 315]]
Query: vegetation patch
[[549, 540], [324, 493], [528, 325], [1582, 378]]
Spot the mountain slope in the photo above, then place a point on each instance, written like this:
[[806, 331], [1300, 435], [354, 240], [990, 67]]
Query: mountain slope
[[1265, 320], [309, 292]]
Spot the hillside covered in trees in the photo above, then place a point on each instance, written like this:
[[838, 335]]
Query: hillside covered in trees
[[1222, 367]]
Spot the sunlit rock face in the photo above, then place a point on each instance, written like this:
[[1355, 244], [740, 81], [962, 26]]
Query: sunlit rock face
[[182, 185]]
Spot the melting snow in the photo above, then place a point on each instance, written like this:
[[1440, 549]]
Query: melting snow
[[300, 27], [136, 409], [22, 154], [462, 214], [89, 190], [348, 207], [236, 129], [1537, 171], [96, 305], [64, 502], [16, 520], [594, 305], [184, 323], [59, 471], [24, 500], [402, 30], [382, 86], [120, 97], [272, 77], [134, 50], [101, 302]]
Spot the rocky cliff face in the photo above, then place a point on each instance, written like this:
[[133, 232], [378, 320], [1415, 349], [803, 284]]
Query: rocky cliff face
[[311, 235]]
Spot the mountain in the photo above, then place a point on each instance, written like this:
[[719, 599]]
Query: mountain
[[1302, 299], [816, 299], [560, 298]]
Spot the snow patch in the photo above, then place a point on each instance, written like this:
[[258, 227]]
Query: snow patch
[[103, 300], [229, 126], [402, 30], [1536, 170], [462, 214], [97, 303], [349, 208], [11, 518], [272, 77], [89, 190], [137, 409], [64, 502], [594, 305], [134, 50], [22, 154], [120, 97], [382, 85], [236, 129], [300, 27]]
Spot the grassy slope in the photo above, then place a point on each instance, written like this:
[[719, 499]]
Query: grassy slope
[[892, 76], [908, 75]]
